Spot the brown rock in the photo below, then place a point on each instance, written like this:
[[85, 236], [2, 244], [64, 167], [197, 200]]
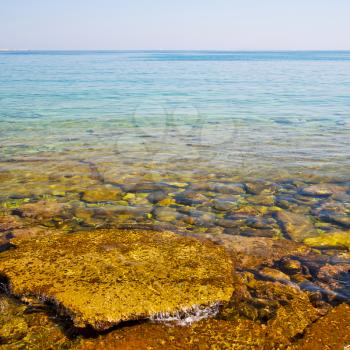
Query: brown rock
[[296, 226], [331, 332]]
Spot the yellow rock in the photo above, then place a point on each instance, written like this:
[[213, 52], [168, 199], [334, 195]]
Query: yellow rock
[[336, 239], [101, 194], [167, 201], [103, 277], [129, 196]]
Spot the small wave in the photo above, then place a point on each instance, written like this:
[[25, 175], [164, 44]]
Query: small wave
[[187, 316]]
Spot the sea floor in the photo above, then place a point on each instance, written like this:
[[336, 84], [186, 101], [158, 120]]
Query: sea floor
[[129, 255]]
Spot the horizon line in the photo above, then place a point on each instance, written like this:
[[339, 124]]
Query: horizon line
[[173, 50]]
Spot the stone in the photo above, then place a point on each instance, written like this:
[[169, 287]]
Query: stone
[[100, 194], [129, 196], [166, 214], [223, 205], [322, 190], [333, 212], [262, 199], [102, 277], [203, 335], [27, 327], [274, 274], [339, 239], [190, 198], [291, 266], [331, 332], [229, 223], [229, 188], [251, 232], [31, 232], [157, 196], [251, 252], [258, 187], [9, 222], [148, 187], [14, 328], [296, 226], [41, 210], [282, 308], [167, 202]]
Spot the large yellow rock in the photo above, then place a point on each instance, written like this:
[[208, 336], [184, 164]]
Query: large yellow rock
[[103, 277]]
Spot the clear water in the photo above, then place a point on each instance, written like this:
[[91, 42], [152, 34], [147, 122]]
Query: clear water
[[254, 113], [213, 144]]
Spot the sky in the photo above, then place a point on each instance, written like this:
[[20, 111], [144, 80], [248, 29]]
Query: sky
[[175, 25]]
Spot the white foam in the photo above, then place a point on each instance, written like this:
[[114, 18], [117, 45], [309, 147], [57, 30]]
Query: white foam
[[187, 316]]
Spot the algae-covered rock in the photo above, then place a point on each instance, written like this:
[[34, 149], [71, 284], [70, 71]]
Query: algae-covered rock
[[274, 274], [322, 190], [165, 214], [40, 210], [9, 222], [208, 334], [103, 277], [339, 239], [331, 332], [296, 226], [100, 194], [250, 252], [293, 314], [24, 327]]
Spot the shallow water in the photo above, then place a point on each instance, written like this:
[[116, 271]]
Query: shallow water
[[258, 113], [213, 144]]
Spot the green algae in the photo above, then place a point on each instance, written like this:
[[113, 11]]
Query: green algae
[[296, 226], [340, 239], [99, 194], [24, 327], [103, 277]]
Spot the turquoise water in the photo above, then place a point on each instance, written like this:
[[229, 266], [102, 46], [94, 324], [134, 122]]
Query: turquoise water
[[253, 113]]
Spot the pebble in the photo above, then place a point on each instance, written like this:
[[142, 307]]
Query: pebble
[[321, 190], [165, 214], [229, 188], [274, 274]]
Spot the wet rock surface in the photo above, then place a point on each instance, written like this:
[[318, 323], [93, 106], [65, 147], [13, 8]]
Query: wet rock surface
[[296, 226], [288, 241], [101, 278], [29, 327], [332, 332]]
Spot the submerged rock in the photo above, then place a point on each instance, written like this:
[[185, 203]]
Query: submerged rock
[[333, 240], [229, 188], [251, 252], [285, 313], [103, 277], [274, 274], [9, 222], [101, 194], [41, 210], [296, 226], [321, 190], [334, 213], [25, 327], [165, 214]]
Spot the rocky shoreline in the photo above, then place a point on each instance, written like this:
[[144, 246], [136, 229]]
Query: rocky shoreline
[[93, 261]]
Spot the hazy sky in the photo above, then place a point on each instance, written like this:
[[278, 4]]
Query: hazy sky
[[176, 24]]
